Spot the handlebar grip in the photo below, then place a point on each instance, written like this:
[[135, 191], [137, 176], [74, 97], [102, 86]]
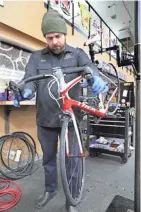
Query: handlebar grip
[[13, 85], [16, 91]]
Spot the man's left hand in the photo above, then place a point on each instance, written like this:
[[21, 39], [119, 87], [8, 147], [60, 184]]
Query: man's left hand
[[27, 94]]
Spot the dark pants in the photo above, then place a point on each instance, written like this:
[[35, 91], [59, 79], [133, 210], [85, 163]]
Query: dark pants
[[48, 138]]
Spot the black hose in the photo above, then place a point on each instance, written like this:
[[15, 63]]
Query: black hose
[[23, 170]]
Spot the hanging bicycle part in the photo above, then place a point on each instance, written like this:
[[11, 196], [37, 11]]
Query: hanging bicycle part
[[109, 74]]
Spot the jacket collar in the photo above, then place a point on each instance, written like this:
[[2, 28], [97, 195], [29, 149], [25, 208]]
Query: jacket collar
[[67, 50]]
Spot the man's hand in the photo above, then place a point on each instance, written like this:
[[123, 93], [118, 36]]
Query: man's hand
[[27, 94], [99, 86]]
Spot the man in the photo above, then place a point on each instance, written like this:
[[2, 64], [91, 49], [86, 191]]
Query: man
[[57, 54]]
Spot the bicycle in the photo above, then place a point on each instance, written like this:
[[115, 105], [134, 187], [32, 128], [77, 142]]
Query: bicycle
[[73, 184]]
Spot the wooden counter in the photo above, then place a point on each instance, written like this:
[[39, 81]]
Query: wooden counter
[[21, 103]]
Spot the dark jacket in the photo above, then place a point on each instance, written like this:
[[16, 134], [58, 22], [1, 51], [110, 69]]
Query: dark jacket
[[42, 61]]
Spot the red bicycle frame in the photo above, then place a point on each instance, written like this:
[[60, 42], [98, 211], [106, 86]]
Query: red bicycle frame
[[68, 102]]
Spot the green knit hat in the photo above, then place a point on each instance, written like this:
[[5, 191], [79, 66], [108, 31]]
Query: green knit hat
[[53, 22]]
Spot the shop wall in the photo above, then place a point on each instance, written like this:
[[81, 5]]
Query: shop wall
[[24, 119], [11, 35], [28, 21], [24, 16], [20, 22], [2, 122]]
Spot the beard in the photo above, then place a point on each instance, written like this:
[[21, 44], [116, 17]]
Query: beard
[[57, 50]]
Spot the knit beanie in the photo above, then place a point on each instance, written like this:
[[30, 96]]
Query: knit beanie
[[53, 22]]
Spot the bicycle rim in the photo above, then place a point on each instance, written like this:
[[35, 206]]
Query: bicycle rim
[[73, 167], [117, 81]]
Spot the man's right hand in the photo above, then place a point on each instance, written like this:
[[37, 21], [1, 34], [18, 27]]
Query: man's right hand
[[27, 94], [99, 86]]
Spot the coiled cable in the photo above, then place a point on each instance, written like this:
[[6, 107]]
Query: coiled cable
[[19, 169], [12, 189]]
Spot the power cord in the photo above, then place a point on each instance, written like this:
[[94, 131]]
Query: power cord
[[12, 189]]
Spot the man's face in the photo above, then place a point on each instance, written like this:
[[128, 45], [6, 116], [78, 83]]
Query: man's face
[[56, 42]]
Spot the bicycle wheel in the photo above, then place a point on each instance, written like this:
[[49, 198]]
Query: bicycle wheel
[[72, 164]]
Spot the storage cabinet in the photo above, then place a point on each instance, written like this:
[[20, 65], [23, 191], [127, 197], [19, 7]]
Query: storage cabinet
[[118, 126]]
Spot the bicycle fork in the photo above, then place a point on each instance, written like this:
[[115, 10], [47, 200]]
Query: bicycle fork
[[78, 137]]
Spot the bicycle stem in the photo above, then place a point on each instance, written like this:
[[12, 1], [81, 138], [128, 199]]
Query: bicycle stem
[[60, 76]]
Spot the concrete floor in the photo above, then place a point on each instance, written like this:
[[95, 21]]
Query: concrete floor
[[105, 178]]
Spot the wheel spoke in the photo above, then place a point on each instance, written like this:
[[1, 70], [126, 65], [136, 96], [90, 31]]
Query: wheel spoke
[[72, 164]]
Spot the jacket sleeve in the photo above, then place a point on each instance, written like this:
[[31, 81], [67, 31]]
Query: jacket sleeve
[[31, 70], [84, 60]]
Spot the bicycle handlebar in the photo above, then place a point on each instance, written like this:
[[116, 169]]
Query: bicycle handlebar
[[34, 78], [85, 70]]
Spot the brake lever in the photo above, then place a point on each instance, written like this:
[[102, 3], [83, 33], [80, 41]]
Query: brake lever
[[89, 79], [16, 91]]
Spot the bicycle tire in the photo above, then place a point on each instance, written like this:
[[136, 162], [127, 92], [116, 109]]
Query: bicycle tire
[[26, 170], [118, 92], [70, 199], [118, 86]]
